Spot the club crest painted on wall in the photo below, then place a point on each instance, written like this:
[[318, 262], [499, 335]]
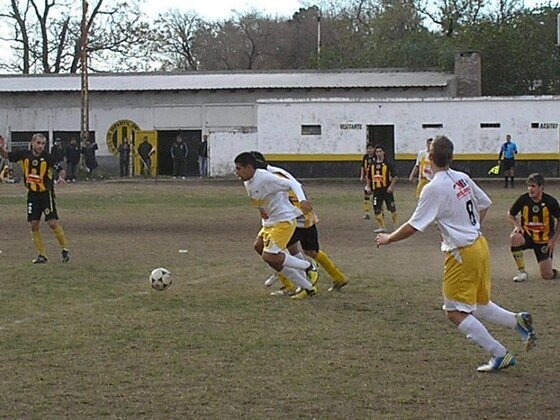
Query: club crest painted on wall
[[118, 131]]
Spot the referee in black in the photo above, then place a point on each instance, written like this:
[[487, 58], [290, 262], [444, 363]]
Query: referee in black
[[38, 168]]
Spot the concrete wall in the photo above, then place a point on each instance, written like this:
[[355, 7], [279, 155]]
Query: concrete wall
[[532, 123], [239, 121]]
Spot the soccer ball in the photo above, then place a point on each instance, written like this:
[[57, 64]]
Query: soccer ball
[[160, 278]]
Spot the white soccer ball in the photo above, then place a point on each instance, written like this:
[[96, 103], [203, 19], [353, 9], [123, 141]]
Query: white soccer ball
[[160, 278]]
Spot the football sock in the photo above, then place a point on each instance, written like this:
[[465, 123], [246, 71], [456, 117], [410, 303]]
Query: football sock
[[286, 282], [381, 220], [294, 262], [61, 237], [395, 218], [367, 205], [496, 314], [477, 332], [517, 253], [506, 181], [297, 277], [330, 267], [38, 242], [511, 181]]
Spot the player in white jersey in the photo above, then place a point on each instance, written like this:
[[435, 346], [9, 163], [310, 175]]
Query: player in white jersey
[[306, 234], [269, 193], [458, 206], [422, 171]]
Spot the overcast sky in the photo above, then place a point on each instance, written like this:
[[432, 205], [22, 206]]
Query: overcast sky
[[220, 9]]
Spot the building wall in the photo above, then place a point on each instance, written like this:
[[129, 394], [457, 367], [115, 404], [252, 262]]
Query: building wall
[[243, 120], [477, 126]]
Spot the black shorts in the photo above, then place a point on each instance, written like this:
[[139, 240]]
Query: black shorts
[[307, 237], [542, 252], [508, 164], [380, 196], [39, 203]]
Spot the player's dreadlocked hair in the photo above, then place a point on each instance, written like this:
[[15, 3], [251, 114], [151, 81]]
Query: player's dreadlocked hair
[[261, 160]]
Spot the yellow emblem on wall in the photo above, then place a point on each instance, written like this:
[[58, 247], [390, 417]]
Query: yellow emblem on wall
[[118, 131]]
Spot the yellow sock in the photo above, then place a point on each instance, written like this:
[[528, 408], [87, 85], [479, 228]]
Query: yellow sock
[[395, 217], [381, 220], [38, 242], [287, 283], [330, 267], [61, 237], [367, 205], [518, 258]]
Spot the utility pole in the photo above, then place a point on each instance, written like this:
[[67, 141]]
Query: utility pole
[[558, 30], [84, 99], [319, 38]]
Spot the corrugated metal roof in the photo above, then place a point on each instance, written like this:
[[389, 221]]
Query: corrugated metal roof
[[229, 80]]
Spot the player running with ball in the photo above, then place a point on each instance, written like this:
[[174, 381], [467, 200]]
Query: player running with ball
[[269, 193]]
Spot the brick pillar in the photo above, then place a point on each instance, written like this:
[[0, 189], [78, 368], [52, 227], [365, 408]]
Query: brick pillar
[[469, 74]]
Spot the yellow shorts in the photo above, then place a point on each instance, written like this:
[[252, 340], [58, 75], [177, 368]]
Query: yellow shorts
[[276, 238], [421, 184], [467, 277]]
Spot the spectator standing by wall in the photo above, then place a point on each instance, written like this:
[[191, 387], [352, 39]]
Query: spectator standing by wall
[[179, 152], [124, 158], [72, 153], [203, 157], [89, 157], [145, 151], [57, 153]]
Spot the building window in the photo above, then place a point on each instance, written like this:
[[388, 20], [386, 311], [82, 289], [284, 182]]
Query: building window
[[490, 125], [432, 125], [310, 130]]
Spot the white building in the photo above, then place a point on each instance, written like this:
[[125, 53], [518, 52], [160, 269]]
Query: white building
[[317, 123]]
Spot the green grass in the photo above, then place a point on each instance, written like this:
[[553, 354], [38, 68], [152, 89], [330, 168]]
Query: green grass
[[90, 339]]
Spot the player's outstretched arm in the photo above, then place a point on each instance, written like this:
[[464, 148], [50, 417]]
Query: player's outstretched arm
[[405, 231]]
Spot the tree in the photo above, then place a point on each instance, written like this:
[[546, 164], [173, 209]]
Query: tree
[[173, 42], [450, 15], [519, 56], [46, 35], [247, 42]]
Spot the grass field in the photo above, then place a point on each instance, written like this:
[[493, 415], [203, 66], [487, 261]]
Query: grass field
[[90, 339]]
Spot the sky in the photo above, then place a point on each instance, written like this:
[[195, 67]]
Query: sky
[[221, 9]]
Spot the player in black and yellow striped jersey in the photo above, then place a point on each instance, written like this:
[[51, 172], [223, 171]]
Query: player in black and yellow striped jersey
[[367, 161], [536, 229], [383, 180], [38, 168]]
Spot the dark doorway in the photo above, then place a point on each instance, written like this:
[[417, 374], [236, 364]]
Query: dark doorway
[[383, 135], [166, 139]]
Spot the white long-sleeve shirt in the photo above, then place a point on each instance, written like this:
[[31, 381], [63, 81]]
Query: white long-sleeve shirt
[[269, 193]]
